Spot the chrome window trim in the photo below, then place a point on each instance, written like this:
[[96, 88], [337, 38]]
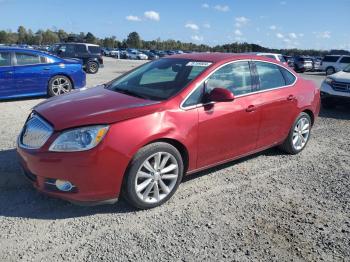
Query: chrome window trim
[[243, 95]]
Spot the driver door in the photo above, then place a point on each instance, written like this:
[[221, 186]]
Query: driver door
[[227, 130]]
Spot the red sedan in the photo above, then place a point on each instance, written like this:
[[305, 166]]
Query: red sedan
[[141, 133]]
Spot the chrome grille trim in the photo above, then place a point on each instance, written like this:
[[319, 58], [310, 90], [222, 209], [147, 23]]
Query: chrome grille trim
[[35, 133], [341, 87]]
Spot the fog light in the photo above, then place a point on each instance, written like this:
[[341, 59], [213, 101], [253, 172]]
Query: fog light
[[64, 185]]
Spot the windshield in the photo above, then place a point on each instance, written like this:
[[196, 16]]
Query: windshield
[[160, 79], [347, 69], [94, 49]]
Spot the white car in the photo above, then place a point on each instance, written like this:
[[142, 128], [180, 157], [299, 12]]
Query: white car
[[336, 88], [136, 55], [277, 57], [334, 63]]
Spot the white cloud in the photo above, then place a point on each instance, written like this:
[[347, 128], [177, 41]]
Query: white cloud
[[241, 21], [293, 35], [205, 5], [273, 27], [207, 25], [279, 35], [301, 34], [152, 15], [197, 38], [222, 8], [283, 3], [133, 18], [325, 34], [192, 26], [238, 32]]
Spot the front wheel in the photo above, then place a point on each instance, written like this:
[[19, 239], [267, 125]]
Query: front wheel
[[92, 67], [59, 85], [298, 135], [153, 175]]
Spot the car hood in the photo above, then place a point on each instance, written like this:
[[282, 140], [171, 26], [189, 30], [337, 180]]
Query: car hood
[[91, 106], [341, 77]]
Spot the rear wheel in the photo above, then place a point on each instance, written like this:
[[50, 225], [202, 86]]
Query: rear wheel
[[298, 135], [92, 67], [153, 175], [330, 70], [59, 85]]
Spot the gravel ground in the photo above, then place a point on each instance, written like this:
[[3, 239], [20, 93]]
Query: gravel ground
[[269, 206]]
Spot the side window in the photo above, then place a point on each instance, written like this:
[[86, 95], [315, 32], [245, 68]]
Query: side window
[[27, 59], [80, 49], [270, 56], [236, 77], [70, 50], [269, 75], [160, 75], [195, 98], [345, 60], [331, 59], [288, 76], [5, 59]]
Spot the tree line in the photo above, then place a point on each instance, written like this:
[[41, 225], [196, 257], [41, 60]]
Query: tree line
[[133, 40]]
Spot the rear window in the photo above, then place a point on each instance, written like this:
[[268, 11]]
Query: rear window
[[345, 60], [94, 49], [330, 58]]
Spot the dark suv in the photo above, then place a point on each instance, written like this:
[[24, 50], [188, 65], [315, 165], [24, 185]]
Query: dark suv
[[90, 54]]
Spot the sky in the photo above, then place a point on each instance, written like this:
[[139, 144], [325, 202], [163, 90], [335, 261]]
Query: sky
[[306, 24]]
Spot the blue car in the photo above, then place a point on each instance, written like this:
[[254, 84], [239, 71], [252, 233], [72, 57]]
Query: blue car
[[26, 72]]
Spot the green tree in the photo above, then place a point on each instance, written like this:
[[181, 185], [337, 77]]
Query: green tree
[[133, 40]]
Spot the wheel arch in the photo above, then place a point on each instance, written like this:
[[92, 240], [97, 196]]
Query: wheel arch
[[61, 74], [311, 115]]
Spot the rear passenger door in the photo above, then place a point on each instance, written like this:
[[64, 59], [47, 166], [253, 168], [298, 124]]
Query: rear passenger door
[[32, 73], [276, 99], [6, 75]]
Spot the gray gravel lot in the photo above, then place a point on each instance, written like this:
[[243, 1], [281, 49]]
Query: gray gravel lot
[[269, 206]]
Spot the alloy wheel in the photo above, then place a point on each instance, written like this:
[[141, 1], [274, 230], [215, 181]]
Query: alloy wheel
[[60, 86], [157, 177], [301, 133]]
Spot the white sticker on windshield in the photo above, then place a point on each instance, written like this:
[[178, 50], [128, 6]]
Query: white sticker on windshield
[[204, 64]]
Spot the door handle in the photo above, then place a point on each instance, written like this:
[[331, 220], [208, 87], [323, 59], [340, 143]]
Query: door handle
[[250, 108], [46, 68], [290, 98]]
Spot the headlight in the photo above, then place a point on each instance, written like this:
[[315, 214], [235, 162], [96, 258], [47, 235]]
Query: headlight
[[329, 80], [79, 139]]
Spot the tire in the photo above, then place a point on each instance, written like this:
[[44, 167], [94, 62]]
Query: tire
[[92, 67], [289, 146], [59, 85], [328, 103], [330, 70], [141, 184]]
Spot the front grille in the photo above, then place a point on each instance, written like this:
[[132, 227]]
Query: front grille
[[35, 133], [341, 87]]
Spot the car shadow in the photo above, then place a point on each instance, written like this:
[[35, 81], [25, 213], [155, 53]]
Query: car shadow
[[341, 112], [19, 199], [23, 98]]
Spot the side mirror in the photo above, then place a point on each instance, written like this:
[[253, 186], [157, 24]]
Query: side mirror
[[219, 94]]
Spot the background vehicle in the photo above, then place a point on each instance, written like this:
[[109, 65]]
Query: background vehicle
[[187, 109], [335, 89], [136, 55], [90, 54], [277, 57], [316, 64], [289, 60], [150, 55], [26, 72], [334, 63], [302, 64]]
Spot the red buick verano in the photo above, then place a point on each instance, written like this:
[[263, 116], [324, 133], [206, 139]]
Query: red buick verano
[[140, 133]]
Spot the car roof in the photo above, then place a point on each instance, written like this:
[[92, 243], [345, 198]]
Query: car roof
[[14, 48], [221, 57]]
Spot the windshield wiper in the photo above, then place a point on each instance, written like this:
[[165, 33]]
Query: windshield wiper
[[129, 92]]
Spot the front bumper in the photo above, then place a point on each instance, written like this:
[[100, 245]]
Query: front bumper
[[328, 91], [97, 174]]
